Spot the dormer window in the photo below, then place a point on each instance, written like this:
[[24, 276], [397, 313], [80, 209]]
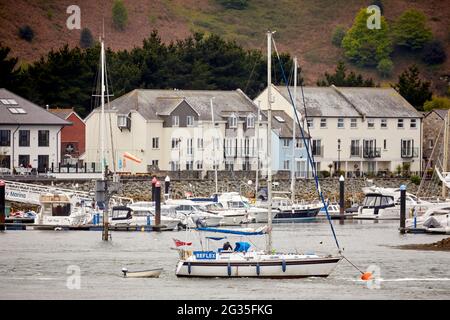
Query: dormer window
[[123, 121], [232, 121], [250, 121], [190, 121], [175, 121]]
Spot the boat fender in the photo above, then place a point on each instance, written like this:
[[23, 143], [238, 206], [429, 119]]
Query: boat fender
[[258, 269], [283, 265], [229, 269], [189, 267]]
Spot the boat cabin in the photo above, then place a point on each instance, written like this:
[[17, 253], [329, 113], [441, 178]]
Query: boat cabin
[[377, 201], [55, 205]]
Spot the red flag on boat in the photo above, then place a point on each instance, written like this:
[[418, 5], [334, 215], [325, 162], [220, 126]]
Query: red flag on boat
[[179, 243]]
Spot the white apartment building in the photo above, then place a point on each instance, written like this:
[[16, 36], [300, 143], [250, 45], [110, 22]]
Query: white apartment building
[[173, 130], [359, 130], [29, 135]]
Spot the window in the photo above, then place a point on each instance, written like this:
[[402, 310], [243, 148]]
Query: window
[[174, 165], [229, 147], [310, 123], [24, 160], [413, 123], [286, 165], [122, 121], [323, 123], [370, 123], [155, 163], [190, 165], [199, 165], [299, 144], [229, 165], [353, 123], [383, 123], [250, 121], [407, 148], [200, 143], [232, 121], [24, 138], [385, 144], [5, 161], [285, 143], [400, 123], [5, 138], [190, 121], [155, 143], [340, 123], [175, 121], [43, 163], [43, 138], [17, 110], [354, 148], [189, 146], [246, 147], [316, 147], [175, 143]]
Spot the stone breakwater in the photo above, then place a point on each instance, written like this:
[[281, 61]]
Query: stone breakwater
[[140, 188]]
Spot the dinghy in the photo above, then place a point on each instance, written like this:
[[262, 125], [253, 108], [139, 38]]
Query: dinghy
[[152, 273]]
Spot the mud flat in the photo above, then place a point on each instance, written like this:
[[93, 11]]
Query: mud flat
[[443, 245]]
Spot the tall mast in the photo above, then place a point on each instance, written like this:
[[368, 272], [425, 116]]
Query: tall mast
[[293, 134], [257, 150], [445, 162], [102, 116], [214, 147], [269, 138]]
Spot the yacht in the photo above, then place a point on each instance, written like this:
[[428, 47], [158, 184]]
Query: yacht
[[235, 201], [194, 213], [286, 211], [433, 218], [145, 216]]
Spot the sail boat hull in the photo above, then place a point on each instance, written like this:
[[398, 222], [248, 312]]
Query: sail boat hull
[[270, 268]]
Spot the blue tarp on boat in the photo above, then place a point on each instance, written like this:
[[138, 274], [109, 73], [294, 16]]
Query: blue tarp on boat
[[242, 246]]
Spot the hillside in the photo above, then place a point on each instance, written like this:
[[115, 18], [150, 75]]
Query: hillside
[[304, 27]]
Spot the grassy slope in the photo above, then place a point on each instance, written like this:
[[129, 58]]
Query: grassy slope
[[304, 27]]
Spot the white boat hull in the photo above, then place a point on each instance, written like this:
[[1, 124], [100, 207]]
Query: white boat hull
[[294, 268], [154, 273]]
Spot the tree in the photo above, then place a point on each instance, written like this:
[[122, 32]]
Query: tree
[[234, 4], [8, 74], [437, 103], [341, 79], [338, 35], [86, 39], [119, 15], [364, 46], [411, 87], [26, 33], [434, 53], [410, 30], [385, 67]]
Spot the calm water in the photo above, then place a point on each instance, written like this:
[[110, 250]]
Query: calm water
[[33, 265]]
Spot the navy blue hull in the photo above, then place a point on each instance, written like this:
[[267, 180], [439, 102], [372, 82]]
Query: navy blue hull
[[296, 216]]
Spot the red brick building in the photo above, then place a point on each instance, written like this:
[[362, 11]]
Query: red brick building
[[72, 137]]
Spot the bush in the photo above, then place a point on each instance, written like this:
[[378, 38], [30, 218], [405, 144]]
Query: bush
[[415, 179], [385, 67], [26, 33], [234, 4], [324, 174], [437, 103], [410, 30], [434, 53], [364, 46], [119, 15], [338, 35], [86, 39]]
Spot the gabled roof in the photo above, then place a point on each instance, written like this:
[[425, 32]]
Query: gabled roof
[[152, 103], [284, 128], [34, 115], [442, 113], [352, 102], [63, 113]]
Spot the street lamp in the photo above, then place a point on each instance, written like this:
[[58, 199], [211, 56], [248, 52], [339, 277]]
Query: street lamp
[[339, 154]]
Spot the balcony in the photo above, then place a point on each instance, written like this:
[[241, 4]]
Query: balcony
[[371, 153], [410, 153]]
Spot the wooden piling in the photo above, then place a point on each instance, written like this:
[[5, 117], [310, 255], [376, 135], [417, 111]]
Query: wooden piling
[[157, 203], [2, 205], [402, 209]]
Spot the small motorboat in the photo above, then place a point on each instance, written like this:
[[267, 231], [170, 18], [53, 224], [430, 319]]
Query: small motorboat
[[151, 273]]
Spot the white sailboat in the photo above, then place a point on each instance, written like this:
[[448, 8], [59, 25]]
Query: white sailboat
[[245, 261]]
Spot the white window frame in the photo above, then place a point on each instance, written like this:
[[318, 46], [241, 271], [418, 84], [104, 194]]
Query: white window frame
[[232, 121], [286, 141], [353, 123], [310, 123], [190, 121], [323, 123], [189, 149], [175, 121], [383, 124], [340, 123], [200, 143], [402, 122], [413, 121], [250, 121], [155, 143], [370, 124]]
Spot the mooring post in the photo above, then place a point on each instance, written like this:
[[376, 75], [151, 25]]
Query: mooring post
[[101, 197], [341, 196], [2, 205], [157, 203], [154, 180], [402, 208], [166, 187]]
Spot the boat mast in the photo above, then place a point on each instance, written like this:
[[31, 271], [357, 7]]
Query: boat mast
[[445, 162], [102, 116], [269, 142], [214, 147], [257, 150], [293, 134]]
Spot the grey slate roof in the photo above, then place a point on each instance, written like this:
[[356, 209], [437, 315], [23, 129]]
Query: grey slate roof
[[63, 113], [352, 102], [151, 103], [284, 129], [440, 112], [34, 113]]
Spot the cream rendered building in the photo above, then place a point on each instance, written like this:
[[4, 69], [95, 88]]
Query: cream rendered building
[[173, 130], [360, 130]]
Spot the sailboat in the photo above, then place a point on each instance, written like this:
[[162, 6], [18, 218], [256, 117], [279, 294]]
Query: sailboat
[[245, 261]]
